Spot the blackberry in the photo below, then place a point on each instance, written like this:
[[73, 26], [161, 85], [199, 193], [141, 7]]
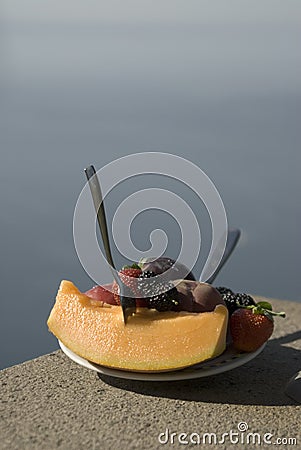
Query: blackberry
[[155, 298], [234, 301], [147, 274], [244, 300], [230, 300], [164, 301], [162, 264], [146, 287], [223, 290]]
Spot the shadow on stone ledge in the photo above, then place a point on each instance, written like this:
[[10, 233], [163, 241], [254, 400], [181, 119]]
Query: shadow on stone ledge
[[259, 382]]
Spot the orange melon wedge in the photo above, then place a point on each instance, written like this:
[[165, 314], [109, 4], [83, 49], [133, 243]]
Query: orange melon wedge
[[151, 341]]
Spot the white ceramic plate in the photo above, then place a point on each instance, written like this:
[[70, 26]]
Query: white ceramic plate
[[229, 360]]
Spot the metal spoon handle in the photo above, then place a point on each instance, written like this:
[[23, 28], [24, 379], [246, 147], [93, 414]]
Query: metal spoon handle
[[128, 304], [100, 211], [232, 240]]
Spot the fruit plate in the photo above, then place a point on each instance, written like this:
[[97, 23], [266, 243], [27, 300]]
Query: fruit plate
[[229, 360]]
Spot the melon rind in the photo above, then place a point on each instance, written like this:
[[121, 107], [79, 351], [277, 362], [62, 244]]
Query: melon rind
[[151, 341]]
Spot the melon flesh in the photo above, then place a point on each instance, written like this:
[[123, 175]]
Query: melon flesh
[[150, 341]]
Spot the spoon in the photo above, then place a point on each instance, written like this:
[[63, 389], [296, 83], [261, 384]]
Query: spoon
[[232, 240], [128, 304]]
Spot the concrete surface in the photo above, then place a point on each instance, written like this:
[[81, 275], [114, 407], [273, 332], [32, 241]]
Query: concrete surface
[[51, 402]]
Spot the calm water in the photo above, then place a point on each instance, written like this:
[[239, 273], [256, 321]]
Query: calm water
[[220, 87]]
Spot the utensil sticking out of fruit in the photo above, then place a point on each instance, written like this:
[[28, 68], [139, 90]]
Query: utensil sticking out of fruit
[[128, 303]]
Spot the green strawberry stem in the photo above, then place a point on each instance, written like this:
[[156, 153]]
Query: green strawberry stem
[[279, 314], [133, 266], [264, 308]]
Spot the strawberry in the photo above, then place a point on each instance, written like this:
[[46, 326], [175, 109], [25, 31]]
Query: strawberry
[[128, 276], [251, 326]]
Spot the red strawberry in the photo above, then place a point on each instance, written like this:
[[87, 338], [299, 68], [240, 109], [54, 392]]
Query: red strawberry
[[252, 326], [128, 276]]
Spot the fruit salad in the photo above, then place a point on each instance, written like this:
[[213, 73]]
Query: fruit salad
[[177, 323], [251, 324]]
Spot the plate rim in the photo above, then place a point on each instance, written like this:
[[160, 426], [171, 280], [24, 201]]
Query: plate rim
[[200, 370]]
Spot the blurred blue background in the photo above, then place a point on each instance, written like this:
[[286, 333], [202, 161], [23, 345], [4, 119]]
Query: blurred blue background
[[218, 83]]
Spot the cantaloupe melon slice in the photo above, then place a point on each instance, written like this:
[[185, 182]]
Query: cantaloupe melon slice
[[151, 340]]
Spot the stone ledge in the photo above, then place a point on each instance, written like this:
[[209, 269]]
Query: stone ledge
[[50, 402]]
